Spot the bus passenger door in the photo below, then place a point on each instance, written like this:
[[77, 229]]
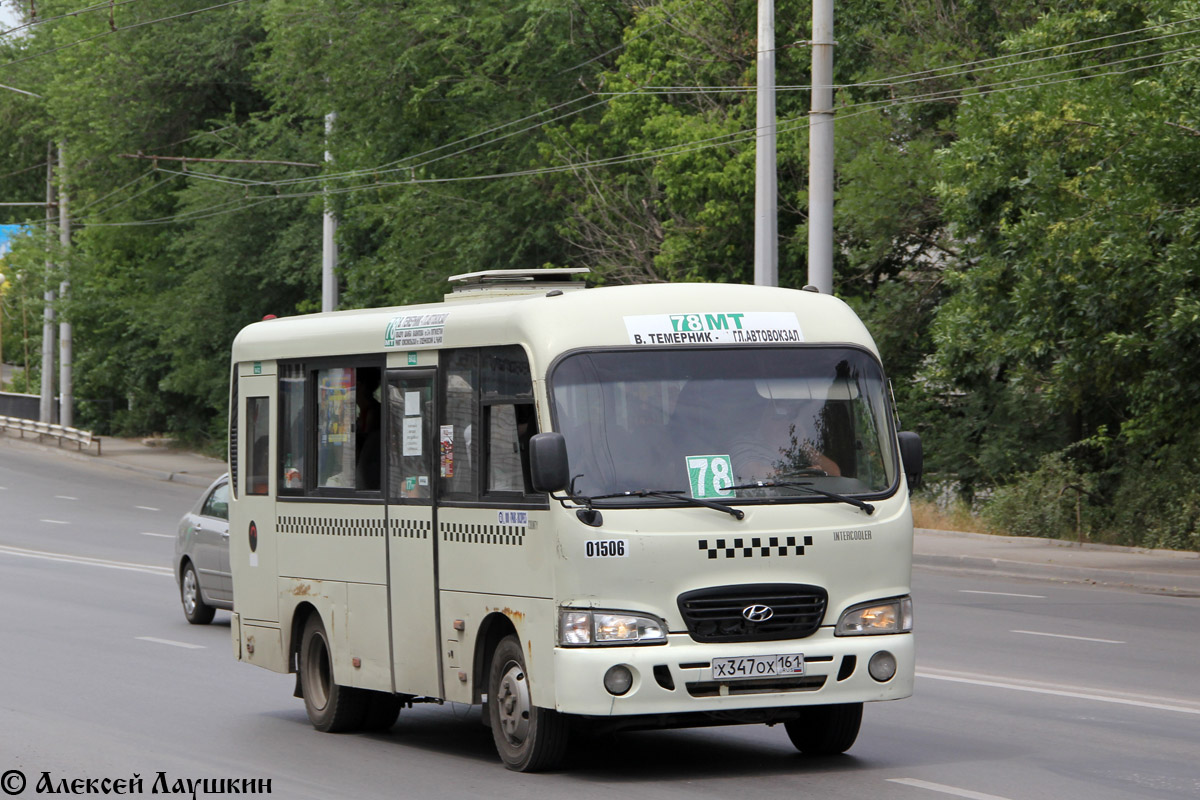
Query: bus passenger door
[[252, 533], [412, 571]]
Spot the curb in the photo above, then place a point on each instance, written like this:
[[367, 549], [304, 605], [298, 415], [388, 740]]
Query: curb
[[1149, 582]]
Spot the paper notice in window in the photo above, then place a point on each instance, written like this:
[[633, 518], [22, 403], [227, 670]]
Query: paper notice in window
[[412, 436], [412, 404]]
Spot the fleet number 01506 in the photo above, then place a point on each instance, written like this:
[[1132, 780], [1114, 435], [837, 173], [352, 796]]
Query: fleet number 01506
[[606, 548]]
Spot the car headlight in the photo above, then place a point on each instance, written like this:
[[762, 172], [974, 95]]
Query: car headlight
[[881, 616], [580, 628]]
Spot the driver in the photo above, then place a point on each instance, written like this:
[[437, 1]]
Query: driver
[[785, 443]]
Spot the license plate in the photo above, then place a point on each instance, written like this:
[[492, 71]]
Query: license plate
[[732, 669]]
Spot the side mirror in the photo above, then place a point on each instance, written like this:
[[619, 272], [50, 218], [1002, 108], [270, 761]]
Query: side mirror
[[548, 470], [912, 456]]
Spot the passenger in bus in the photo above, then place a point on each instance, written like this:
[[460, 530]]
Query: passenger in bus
[[367, 430]]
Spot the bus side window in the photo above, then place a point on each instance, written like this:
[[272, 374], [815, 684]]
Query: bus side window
[[292, 450], [257, 454], [410, 431], [510, 427], [457, 443]]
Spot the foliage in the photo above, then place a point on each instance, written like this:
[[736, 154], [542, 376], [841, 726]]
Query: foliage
[[1047, 502], [1016, 215], [1075, 306]]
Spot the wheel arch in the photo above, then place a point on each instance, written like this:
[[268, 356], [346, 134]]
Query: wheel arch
[[296, 633], [492, 630]]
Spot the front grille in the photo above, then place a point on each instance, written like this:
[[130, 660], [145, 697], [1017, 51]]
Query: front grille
[[716, 614]]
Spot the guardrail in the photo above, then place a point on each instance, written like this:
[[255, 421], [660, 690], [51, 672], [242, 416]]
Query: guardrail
[[62, 433]]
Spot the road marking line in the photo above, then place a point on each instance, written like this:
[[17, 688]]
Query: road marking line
[[1065, 636], [55, 521], [170, 642], [1004, 594], [1159, 704], [160, 535], [93, 562], [943, 789], [64, 497], [147, 508]]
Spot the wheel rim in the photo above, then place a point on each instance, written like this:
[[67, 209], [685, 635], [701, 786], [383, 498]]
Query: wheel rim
[[316, 672], [190, 591], [513, 703]]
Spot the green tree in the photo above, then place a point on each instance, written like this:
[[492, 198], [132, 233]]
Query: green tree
[[1072, 321]]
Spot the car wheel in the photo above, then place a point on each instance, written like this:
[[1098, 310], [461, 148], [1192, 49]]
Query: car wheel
[[826, 730], [528, 738], [194, 608], [331, 708]]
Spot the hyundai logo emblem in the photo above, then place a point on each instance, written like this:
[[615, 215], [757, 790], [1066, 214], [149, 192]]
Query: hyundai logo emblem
[[758, 613]]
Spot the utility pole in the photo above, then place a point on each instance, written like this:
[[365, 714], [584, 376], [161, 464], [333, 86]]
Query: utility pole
[[820, 151], [766, 219], [46, 403], [329, 287], [66, 383]]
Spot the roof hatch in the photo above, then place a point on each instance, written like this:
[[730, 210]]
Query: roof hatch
[[516, 281]]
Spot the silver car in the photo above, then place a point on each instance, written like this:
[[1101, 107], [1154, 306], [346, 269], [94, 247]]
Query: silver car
[[202, 555]]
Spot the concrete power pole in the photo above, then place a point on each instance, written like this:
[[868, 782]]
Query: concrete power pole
[[46, 404], [766, 219], [820, 151], [329, 286], [66, 382]]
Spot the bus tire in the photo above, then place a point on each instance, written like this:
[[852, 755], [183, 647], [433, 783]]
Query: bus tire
[[382, 711], [331, 708], [194, 608], [528, 738], [826, 730]]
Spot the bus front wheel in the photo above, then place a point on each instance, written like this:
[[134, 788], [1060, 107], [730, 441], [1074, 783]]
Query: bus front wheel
[[528, 738], [331, 708], [826, 730]]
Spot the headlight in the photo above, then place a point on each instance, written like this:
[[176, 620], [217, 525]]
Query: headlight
[[882, 616], [581, 628]]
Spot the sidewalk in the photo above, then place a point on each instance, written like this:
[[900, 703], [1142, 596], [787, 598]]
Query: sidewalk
[[1158, 571], [160, 462]]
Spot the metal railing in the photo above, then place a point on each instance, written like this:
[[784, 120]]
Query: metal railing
[[62, 433]]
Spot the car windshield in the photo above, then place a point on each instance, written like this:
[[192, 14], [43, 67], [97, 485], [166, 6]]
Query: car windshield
[[725, 424]]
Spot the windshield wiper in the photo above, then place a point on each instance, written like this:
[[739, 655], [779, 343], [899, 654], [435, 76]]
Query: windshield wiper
[[807, 487], [670, 494]]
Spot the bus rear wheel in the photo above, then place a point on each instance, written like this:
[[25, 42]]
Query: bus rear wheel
[[331, 708], [826, 730], [528, 738]]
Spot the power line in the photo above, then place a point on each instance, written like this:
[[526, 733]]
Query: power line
[[34, 22], [118, 30], [736, 137], [896, 81]]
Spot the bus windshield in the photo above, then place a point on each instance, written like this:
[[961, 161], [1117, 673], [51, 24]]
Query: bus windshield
[[745, 425]]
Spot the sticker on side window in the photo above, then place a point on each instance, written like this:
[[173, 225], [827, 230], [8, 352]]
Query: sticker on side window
[[606, 548]]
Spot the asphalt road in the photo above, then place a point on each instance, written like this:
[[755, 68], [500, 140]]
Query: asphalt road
[[1025, 690]]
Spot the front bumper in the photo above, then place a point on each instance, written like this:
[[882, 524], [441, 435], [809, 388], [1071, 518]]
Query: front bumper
[[835, 672]]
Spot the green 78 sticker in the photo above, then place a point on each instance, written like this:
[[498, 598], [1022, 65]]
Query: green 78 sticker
[[710, 476]]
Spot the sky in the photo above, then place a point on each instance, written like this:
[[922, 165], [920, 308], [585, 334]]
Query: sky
[[7, 232], [8, 16]]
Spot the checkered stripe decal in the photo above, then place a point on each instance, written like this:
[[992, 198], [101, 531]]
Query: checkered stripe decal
[[326, 526], [748, 548], [410, 528], [483, 534]]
